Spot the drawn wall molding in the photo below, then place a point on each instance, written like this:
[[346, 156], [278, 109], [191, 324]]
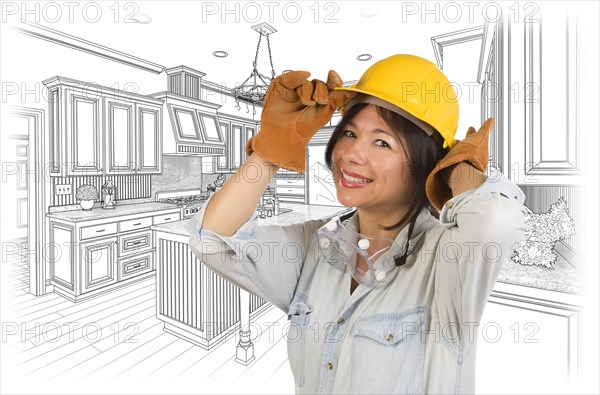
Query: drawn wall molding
[[79, 44], [37, 193]]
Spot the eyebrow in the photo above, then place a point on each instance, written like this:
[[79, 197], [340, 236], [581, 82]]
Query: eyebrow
[[391, 134]]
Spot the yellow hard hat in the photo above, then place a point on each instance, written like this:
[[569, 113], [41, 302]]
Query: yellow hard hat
[[413, 87]]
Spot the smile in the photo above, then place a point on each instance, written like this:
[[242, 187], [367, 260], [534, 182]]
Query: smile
[[352, 181]]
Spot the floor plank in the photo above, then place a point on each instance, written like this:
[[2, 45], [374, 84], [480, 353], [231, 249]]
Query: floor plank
[[153, 362]]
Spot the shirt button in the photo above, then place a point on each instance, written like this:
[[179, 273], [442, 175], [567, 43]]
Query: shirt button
[[341, 321], [329, 366], [388, 337]]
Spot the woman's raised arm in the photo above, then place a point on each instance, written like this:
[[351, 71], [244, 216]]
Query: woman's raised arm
[[233, 205]]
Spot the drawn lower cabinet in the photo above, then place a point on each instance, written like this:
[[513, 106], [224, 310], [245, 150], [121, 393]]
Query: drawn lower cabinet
[[98, 263], [91, 257], [195, 303], [529, 341]]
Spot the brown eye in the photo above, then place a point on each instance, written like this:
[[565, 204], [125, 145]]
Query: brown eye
[[382, 144]]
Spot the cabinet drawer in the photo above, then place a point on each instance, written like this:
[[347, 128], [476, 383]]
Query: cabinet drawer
[[135, 242], [136, 265], [137, 223], [98, 231], [162, 219], [293, 190], [289, 182], [292, 199]]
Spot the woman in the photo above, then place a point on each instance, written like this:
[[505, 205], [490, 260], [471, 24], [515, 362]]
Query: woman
[[387, 300]]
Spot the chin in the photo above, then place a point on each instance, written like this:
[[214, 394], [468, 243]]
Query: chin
[[347, 200]]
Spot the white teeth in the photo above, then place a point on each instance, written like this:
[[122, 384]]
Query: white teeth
[[354, 179]]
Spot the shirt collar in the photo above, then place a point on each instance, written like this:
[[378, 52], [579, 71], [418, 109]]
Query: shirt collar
[[424, 222]]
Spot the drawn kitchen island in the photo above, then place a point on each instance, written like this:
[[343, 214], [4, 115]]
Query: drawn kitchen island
[[198, 305]]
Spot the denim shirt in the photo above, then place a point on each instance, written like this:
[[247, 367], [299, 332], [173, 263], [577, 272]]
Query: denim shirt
[[413, 333]]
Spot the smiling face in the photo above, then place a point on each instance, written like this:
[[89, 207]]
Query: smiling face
[[371, 165]]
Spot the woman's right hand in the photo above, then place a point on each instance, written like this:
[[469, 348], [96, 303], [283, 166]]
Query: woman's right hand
[[294, 110]]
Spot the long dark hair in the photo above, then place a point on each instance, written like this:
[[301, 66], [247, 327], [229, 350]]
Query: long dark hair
[[424, 152]]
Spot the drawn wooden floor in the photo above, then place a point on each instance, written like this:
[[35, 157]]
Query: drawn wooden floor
[[115, 344]]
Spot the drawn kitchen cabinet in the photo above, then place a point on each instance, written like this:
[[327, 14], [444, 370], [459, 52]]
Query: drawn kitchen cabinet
[[62, 255], [149, 139], [98, 130], [250, 132], [98, 263], [94, 256], [195, 303], [133, 137], [77, 136], [119, 119], [529, 341], [222, 161], [237, 144], [236, 132], [290, 189]]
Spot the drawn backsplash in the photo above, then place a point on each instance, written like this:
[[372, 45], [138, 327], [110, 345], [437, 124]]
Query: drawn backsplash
[[127, 187], [178, 172]]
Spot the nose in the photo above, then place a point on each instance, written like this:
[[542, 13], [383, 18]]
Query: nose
[[354, 152]]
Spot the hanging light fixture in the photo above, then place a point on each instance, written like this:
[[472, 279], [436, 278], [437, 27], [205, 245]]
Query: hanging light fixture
[[254, 89]]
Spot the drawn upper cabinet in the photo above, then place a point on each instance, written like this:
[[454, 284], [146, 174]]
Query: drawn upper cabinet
[[98, 130], [236, 131]]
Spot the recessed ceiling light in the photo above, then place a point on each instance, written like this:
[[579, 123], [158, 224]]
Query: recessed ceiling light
[[220, 54], [364, 57], [369, 12], [140, 18]]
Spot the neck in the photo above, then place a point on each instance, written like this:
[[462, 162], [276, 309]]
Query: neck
[[369, 223]]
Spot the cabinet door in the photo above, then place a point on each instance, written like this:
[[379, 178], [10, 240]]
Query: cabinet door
[[120, 127], [222, 162], [250, 132], [237, 145], [99, 264], [84, 134], [149, 139], [527, 346]]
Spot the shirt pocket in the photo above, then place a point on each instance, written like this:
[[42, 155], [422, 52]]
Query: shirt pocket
[[299, 315], [388, 353]]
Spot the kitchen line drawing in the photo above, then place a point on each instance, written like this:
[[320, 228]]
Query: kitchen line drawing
[[119, 124]]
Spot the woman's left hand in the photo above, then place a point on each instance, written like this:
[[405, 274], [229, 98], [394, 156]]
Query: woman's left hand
[[449, 173]]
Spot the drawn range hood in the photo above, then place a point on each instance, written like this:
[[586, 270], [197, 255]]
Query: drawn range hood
[[192, 127]]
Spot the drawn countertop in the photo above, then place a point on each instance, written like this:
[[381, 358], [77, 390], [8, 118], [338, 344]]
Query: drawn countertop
[[120, 210], [299, 213], [563, 278]]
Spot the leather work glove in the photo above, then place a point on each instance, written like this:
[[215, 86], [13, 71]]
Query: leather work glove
[[473, 149], [294, 110]]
